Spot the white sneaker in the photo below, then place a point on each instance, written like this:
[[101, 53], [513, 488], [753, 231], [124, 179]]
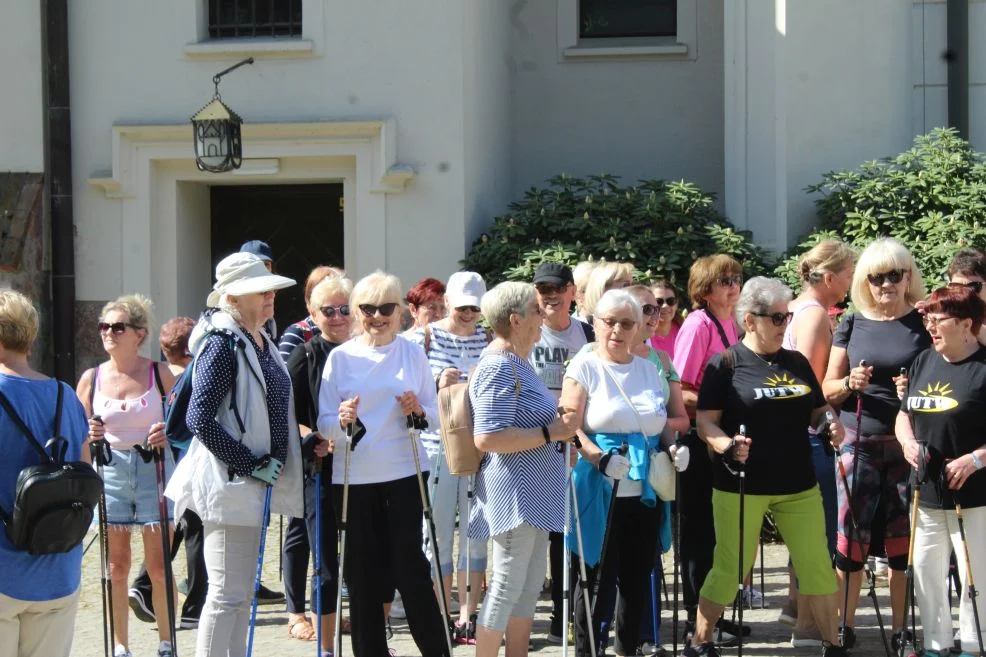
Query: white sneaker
[[120, 651], [397, 608], [752, 597], [164, 649]]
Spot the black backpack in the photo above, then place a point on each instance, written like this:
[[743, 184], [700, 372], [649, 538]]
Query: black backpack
[[53, 501], [176, 405]]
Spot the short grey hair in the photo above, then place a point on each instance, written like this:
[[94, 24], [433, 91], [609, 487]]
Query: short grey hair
[[227, 307], [759, 294], [614, 300], [504, 300]]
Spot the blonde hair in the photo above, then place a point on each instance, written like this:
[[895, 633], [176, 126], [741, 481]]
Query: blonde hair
[[138, 309], [826, 257], [378, 288], [884, 254], [602, 276], [18, 321], [582, 272], [329, 287]]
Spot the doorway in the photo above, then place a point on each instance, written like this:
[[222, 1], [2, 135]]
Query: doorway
[[303, 224]]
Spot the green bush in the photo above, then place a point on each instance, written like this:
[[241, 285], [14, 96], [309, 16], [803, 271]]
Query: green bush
[[931, 197], [661, 227]]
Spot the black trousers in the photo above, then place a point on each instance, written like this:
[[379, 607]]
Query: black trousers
[[295, 553], [189, 528], [629, 559], [698, 536], [383, 549], [556, 563]]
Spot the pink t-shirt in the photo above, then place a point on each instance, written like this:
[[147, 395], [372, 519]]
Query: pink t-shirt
[[666, 343], [697, 342]]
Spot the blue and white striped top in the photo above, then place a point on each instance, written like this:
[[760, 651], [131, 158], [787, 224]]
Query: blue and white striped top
[[527, 486]]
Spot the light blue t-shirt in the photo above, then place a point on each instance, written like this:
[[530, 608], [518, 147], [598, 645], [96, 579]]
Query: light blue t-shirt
[[23, 576]]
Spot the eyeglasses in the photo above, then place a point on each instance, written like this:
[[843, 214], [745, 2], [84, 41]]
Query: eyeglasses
[[385, 309], [778, 319], [894, 276], [975, 286], [729, 281], [116, 327], [550, 288], [330, 311], [648, 309], [670, 301], [468, 309], [625, 324], [932, 321]]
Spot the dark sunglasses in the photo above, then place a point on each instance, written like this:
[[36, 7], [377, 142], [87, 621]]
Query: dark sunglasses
[[670, 301], [116, 327], [778, 319], [648, 309], [470, 309], [550, 288], [729, 281], [625, 324], [385, 309], [894, 276], [330, 311], [975, 286]]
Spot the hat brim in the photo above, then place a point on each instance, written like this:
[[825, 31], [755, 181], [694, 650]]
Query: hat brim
[[464, 300], [551, 279], [252, 285]]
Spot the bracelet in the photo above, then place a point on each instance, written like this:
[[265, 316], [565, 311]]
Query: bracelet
[[845, 384], [976, 461], [547, 436]]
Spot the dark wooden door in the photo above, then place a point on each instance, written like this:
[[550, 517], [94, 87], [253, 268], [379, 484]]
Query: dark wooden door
[[302, 223]]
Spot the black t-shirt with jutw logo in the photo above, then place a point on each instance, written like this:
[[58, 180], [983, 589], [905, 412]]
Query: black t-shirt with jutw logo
[[947, 406], [774, 397]]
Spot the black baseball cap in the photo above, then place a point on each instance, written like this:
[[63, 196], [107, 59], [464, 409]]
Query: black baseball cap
[[554, 273]]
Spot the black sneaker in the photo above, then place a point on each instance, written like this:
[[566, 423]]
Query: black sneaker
[[830, 650], [554, 631], [267, 597], [848, 638], [732, 628], [142, 607], [901, 638], [188, 623], [705, 650]]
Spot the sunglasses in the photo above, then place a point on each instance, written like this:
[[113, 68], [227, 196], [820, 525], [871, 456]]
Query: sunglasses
[[385, 309], [729, 281], [648, 309], [778, 319], [669, 301], [117, 328], [550, 288], [625, 324], [330, 311], [894, 276], [468, 309], [975, 286]]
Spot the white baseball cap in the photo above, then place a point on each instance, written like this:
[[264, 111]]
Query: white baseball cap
[[465, 288], [244, 273]]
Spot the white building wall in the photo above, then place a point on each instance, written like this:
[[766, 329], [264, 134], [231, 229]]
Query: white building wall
[[20, 87]]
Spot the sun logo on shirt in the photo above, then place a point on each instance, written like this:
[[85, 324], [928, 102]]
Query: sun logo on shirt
[[781, 386], [777, 380], [935, 398]]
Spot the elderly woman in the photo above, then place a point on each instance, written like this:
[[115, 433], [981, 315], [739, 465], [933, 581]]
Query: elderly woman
[[328, 303], [453, 346], [38, 594], [425, 303], [374, 382], [773, 392], [887, 332], [618, 399], [945, 408], [826, 273], [125, 398], [668, 316], [302, 331], [580, 277], [714, 286], [520, 487], [246, 441]]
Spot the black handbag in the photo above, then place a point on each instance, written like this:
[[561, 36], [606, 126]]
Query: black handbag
[[53, 501]]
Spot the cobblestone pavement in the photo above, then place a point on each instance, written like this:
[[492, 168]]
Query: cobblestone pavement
[[769, 636]]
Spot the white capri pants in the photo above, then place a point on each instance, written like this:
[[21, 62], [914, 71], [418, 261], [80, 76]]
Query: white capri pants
[[936, 536], [447, 497], [520, 557]]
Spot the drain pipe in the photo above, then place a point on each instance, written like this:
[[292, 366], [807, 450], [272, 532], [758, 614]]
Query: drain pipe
[[957, 57], [58, 181]]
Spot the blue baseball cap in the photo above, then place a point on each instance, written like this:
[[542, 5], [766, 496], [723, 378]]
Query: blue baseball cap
[[259, 249]]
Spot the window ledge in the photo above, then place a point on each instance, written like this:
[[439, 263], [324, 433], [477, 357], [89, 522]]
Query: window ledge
[[641, 51], [220, 48]]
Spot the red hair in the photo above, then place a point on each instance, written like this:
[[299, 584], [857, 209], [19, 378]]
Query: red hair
[[960, 302], [425, 291]]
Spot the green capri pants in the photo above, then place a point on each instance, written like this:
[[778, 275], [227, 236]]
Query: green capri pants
[[801, 521]]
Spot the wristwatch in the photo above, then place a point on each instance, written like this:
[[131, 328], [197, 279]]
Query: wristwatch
[[976, 461], [546, 434]]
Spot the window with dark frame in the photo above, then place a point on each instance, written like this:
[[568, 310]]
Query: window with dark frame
[[599, 19], [236, 19]]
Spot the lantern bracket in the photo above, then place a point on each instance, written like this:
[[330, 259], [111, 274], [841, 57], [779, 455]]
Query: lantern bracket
[[218, 76]]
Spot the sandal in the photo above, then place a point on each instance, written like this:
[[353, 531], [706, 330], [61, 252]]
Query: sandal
[[346, 624], [301, 629]]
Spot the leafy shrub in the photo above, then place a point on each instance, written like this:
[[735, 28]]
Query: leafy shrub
[[931, 197], [661, 227]]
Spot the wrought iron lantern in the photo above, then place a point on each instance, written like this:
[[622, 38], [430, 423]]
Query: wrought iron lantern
[[218, 144]]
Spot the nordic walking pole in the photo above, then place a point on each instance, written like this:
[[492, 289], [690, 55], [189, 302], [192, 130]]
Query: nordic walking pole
[[100, 454], [582, 572], [653, 603], [676, 539], [622, 451], [344, 515], [412, 433], [566, 577], [470, 623], [970, 582], [317, 553], [741, 470], [917, 478], [851, 495], [169, 577], [264, 522]]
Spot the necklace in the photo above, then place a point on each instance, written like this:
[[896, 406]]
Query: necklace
[[769, 363]]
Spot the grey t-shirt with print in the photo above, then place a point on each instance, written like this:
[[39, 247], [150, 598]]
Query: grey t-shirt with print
[[551, 353]]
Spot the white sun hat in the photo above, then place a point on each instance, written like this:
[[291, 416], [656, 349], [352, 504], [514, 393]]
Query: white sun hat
[[465, 288], [244, 273]]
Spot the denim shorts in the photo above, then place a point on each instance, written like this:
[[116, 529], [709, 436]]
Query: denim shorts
[[131, 489]]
